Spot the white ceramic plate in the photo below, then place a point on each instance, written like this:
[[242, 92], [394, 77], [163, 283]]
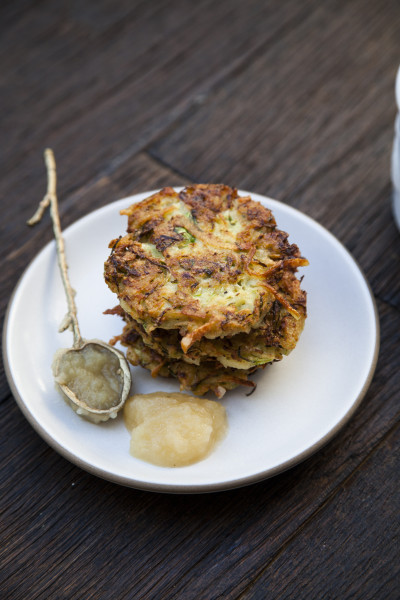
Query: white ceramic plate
[[299, 404]]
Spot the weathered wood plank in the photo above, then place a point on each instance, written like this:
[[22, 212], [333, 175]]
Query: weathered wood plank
[[312, 97], [10, 12], [345, 551], [133, 76], [130, 94]]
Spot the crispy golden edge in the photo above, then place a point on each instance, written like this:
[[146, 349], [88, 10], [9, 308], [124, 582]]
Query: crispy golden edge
[[210, 376], [138, 277], [174, 338]]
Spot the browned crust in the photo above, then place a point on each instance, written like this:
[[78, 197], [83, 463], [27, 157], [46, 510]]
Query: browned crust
[[209, 376], [140, 278], [207, 287]]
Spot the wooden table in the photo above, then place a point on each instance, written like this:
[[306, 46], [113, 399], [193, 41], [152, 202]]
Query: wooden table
[[289, 99]]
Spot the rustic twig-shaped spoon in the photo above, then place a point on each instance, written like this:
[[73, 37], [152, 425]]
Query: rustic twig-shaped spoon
[[93, 376]]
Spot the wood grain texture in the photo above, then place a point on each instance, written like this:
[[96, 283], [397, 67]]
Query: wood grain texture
[[293, 100], [345, 541]]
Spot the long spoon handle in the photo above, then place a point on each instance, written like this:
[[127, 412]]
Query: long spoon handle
[[50, 199]]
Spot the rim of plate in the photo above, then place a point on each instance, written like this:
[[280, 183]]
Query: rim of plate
[[192, 488]]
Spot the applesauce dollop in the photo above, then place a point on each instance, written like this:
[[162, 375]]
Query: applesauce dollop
[[92, 374], [173, 429]]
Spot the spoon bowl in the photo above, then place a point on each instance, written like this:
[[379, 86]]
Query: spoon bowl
[[93, 376], [94, 379]]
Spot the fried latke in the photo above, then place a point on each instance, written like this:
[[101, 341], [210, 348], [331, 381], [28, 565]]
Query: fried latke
[[206, 280]]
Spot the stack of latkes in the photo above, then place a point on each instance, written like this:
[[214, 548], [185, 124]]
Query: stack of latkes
[[207, 287]]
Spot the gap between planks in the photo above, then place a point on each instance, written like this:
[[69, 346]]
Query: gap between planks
[[163, 163], [174, 116]]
